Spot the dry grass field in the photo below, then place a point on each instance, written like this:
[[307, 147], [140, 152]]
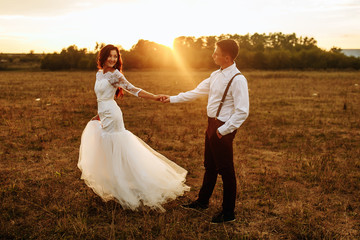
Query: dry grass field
[[297, 158]]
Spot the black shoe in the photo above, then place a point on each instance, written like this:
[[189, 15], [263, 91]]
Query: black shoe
[[196, 205], [223, 217]]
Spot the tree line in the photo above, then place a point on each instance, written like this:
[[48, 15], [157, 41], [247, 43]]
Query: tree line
[[273, 51]]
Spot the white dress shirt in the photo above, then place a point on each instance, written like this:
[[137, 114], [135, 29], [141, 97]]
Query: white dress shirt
[[236, 105]]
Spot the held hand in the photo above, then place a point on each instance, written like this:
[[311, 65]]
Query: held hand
[[218, 134], [164, 98], [157, 98]]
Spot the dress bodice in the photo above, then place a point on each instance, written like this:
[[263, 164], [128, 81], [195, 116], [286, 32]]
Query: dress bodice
[[108, 110], [107, 83]]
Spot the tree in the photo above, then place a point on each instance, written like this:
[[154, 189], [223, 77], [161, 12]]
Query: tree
[[259, 51]]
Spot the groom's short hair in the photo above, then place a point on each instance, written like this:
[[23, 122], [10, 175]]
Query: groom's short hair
[[229, 47]]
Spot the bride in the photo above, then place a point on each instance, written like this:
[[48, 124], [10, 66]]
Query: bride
[[114, 162]]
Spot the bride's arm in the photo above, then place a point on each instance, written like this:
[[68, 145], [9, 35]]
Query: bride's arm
[[147, 95], [119, 80]]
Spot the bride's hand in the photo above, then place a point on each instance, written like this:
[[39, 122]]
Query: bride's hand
[[164, 98], [157, 97]]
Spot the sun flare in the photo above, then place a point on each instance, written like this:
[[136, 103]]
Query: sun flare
[[43, 27]]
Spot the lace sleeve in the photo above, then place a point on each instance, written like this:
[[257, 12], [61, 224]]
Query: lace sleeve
[[118, 80]]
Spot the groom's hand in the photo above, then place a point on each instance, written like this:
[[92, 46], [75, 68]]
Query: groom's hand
[[218, 134], [165, 98]]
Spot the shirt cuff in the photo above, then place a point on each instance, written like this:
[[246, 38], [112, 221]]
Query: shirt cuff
[[223, 131], [173, 99]]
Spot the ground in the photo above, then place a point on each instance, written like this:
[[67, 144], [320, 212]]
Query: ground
[[296, 157]]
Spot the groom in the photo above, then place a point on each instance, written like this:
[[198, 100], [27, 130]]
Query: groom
[[226, 111]]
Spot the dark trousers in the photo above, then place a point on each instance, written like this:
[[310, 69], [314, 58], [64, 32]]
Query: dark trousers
[[218, 159]]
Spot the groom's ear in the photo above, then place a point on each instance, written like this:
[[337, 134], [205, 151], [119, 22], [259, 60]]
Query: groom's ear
[[228, 58]]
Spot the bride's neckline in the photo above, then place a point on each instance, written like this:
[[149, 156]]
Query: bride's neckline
[[109, 71]]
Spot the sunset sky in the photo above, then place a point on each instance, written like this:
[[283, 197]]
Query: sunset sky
[[49, 25]]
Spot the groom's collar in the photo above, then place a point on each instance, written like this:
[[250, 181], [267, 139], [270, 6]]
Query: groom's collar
[[228, 70]]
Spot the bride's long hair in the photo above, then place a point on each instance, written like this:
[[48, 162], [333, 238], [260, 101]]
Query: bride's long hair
[[103, 56]]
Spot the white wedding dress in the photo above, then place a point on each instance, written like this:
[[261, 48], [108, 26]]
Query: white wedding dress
[[120, 166]]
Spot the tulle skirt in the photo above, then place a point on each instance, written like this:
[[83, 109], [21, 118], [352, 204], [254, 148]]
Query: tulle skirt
[[120, 166]]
